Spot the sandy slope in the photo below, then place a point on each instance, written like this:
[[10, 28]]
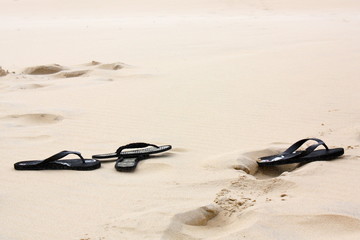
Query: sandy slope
[[219, 80]]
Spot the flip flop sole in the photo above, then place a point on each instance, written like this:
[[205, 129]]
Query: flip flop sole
[[129, 164], [67, 164], [318, 155], [126, 164]]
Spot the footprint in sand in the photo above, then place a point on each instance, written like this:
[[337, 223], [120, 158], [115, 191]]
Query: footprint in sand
[[92, 63], [232, 201], [199, 217], [111, 66], [247, 162], [72, 74], [62, 72], [247, 191], [44, 69], [255, 185], [32, 119], [36, 77], [106, 66]]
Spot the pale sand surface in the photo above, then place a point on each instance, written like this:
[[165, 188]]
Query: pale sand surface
[[223, 82]]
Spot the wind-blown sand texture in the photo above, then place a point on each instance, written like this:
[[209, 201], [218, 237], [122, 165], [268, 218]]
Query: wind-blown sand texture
[[223, 82]]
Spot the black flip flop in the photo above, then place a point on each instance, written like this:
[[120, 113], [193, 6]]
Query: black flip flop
[[54, 162], [142, 149], [128, 164], [291, 155]]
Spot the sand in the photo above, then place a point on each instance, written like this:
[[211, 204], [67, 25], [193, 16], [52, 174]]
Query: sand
[[223, 82]]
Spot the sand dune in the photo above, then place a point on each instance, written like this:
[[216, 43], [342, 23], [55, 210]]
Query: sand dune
[[42, 70]]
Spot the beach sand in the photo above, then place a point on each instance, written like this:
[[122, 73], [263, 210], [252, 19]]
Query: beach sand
[[223, 82]]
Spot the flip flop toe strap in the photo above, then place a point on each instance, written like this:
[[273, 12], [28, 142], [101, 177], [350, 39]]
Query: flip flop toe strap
[[292, 149], [61, 155], [135, 145]]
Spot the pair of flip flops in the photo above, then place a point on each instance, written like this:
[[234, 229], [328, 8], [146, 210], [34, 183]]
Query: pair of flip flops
[[293, 155], [126, 160]]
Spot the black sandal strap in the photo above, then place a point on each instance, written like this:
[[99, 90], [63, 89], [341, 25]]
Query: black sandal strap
[[60, 155], [135, 145], [308, 150], [313, 147]]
